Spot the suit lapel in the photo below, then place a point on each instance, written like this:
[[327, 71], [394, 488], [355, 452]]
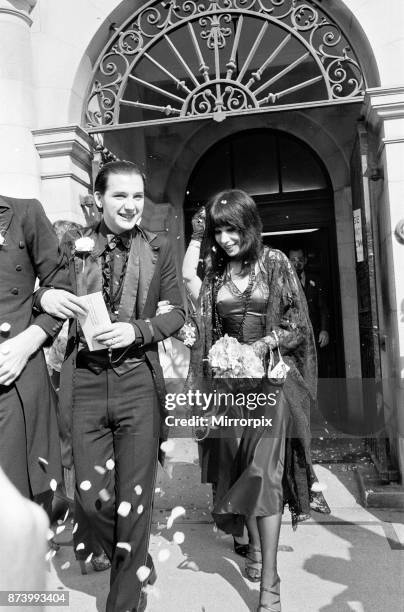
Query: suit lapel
[[131, 282], [5, 216], [148, 256]]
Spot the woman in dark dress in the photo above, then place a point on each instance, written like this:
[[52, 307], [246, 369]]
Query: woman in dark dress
[[252, 293]]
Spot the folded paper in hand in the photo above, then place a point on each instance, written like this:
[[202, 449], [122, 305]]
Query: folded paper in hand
[[96, 319]]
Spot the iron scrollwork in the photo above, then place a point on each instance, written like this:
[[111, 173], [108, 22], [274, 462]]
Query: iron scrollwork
[[205, 75]]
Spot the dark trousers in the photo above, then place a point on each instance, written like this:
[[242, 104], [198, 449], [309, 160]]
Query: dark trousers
[[13, 440], [115, 444]]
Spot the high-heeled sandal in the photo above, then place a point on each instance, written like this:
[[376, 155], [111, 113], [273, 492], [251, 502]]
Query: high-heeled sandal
[[99, 563], [253, 564], [275, 591]]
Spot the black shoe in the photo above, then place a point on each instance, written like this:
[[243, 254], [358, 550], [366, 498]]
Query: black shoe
[[240, 549], [318, 503]]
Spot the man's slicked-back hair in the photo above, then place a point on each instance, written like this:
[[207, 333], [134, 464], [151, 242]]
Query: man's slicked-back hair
[[115, 167]]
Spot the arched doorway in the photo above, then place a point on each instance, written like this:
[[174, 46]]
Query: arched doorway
[[293, 192]]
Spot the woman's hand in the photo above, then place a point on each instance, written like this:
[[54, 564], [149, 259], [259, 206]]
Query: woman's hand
[[163, 307], [119, 335], [198, 224]]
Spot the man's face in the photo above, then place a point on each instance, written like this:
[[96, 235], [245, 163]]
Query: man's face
[[123, 201], [298, 260]]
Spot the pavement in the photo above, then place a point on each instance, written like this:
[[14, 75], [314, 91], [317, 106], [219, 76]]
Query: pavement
[[351, 560]]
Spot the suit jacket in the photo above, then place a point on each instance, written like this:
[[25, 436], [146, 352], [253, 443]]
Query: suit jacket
[[150, 277], [30, 251], [317, 303]]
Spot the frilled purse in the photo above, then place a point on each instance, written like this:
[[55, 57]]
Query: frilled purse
[[278, 372]]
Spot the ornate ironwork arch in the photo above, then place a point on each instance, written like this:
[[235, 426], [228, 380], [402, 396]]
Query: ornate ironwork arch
[[195, 58]]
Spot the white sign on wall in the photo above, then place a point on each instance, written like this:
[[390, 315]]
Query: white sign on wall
[[357, 219]]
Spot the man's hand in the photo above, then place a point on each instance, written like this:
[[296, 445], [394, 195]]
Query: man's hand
[[62, 304], [323, 338], [119, 335], [14, 353]]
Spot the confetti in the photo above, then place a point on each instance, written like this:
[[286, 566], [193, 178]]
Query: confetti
[[104, 495], [138, 490], [100, 469], [140, 509], [50, 534], [60, 529], [80, 546], [157, 490], [110, 464], [76, 526], [142, 573], [167, 446], [53, 484], [179, 537], [175, 513], [125, 546], [90, 556], [50, 554], [66, 515], [124, 508], [42, 460], [65, 565], [85, 485], [163, 555]]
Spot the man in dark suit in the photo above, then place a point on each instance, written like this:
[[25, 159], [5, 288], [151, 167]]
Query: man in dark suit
[[115, 396], [29, 440]]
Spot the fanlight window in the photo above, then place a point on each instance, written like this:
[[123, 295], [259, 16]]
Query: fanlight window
[[201, 58]]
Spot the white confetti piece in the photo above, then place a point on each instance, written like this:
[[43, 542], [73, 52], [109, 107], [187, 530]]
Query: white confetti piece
[[50, 554], [179, 537], [76, 526], [157, 490], [42, 460], [66, 515], [138, 490], [53, 484], [90, 556], [175, 513], [80, 546], [65, 566], [4, 327], [318, 487], [50, 534], [167, 446], [85, 485], [124, 545], [110, 464], [60, 529], [124, 508], [140, 509], [143, 573], [100, 469], [104, 495], [163, 555]]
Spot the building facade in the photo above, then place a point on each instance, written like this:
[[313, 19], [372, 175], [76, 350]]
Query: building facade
[[300, 102]]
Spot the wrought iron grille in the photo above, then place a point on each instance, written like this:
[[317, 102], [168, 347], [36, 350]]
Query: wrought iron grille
[[203, 58]]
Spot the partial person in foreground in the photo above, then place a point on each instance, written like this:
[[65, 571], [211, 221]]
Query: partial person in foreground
[[115, 411], [29, 440], [251, 293]]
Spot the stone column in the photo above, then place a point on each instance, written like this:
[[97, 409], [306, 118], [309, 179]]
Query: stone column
[[385, 118], [19, 169]]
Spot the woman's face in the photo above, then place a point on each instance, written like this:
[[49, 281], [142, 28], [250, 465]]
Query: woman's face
[[228, 239]]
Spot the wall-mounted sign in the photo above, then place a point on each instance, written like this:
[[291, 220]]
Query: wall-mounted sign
[[357, 219]]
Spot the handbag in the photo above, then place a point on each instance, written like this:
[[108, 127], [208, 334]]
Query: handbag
[[277, 373]]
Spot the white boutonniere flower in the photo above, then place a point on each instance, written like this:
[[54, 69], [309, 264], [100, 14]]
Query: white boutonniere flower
[[84, 245], [312, 283]]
